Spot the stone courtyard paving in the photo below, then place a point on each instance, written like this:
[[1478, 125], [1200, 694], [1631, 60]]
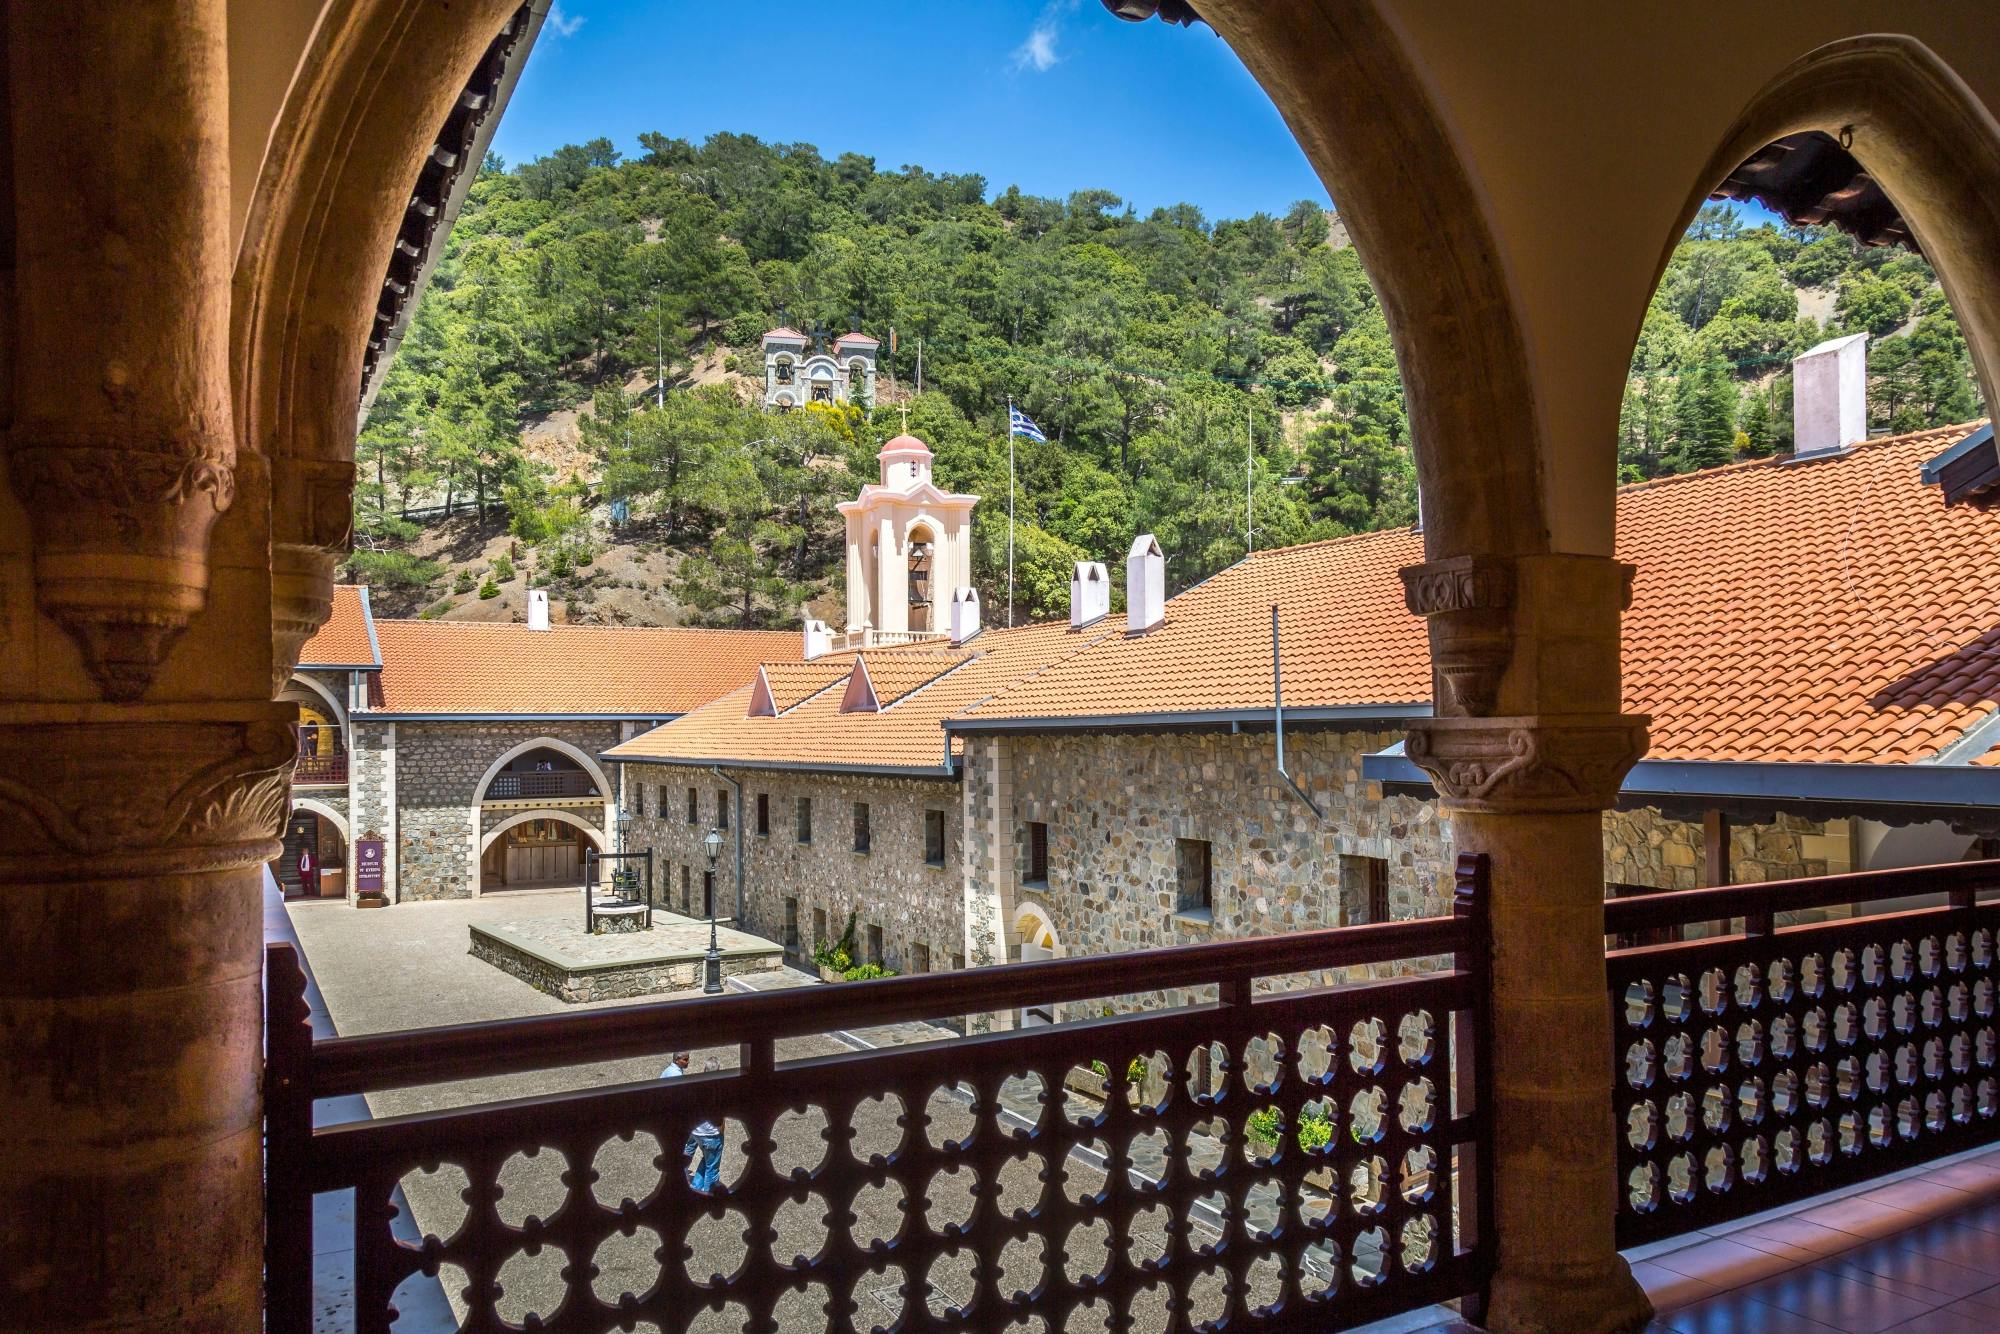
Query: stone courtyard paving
[[408, 967]]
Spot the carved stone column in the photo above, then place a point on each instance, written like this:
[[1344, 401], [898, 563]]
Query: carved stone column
[[131, 926], [122, 447], [1527, 749]]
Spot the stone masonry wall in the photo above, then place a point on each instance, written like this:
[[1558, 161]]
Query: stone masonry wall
[[1644, 847], [438, 768], [890, 886], [370, 764]]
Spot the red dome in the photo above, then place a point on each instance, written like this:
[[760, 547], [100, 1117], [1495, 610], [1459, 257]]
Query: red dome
[[905, 444]]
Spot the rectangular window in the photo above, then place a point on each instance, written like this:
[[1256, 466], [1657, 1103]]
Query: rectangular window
[[805, 819], [934, 838], [819, 927], [686, 899], [694, 807], [764, 814], [791, 926], [1364, 890], [1035, 848], [708, 893], [1194, 866], [721, 809], [874, 954], [639, 800], [861, 835], [920, 958]]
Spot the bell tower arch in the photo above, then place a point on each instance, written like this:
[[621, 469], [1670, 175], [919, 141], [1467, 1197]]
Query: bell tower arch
[[909, 547]]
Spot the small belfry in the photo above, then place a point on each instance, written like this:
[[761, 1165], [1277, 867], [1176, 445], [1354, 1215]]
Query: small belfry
[[802, 368], [909, 549]]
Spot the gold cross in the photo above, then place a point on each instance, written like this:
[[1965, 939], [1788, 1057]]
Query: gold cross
[[906, 417]]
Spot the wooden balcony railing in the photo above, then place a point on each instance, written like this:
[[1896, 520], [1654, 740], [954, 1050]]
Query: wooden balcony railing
[[1273, 1159], [541, 783], [321, 770], [1770, 1063]]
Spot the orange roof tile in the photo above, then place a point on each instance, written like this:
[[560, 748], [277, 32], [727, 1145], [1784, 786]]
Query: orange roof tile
[[907, 735], [347, 639], [459, 667], [790, 684], [892, 674], [1825, 610]]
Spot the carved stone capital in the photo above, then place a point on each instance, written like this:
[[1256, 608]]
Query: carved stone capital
[[1468, 601], [96, 800], [301, 601], [1528, 765], [121, 542]]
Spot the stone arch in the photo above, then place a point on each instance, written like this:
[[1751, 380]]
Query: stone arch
[[336, 709], [1414, 213], [1033, 927], [376, 81], [324, 812], [583, 758], [1924, 137], [570, 817]]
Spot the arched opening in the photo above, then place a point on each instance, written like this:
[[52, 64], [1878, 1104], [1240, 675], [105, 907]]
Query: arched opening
[[314, 861], [1038, 940], [540, 849], [541, 770], [923, 610], [322, 734]]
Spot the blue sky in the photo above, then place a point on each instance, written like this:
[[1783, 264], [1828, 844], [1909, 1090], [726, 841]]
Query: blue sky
[[1053, 97]]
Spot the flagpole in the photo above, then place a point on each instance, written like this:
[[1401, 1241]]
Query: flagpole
[[1249, 479], [1010, 509]]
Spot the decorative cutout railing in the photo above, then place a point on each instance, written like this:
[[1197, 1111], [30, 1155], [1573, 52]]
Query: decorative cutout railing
[[1270, 1159], [320, 770], [1769, 1064], [541, 783]]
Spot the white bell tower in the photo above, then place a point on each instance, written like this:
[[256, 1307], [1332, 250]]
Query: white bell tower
[[909, 550]]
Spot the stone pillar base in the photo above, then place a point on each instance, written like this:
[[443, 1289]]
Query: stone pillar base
[[1599, 1299]]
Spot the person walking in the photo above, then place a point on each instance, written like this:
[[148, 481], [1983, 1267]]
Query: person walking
[[704, 1144], [308, 874]]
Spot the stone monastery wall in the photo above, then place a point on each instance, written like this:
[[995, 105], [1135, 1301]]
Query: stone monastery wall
[[917, 905]]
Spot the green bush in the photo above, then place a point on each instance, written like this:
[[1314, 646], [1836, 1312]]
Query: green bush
[[489, 589], [391, 569], [865, 972], [462, 584], [503, 568], [1315, 1129]]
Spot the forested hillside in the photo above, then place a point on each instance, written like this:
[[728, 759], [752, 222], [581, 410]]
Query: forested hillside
[[1145, 347]]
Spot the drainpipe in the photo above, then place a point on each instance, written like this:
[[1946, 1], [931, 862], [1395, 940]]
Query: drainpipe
[[738, 789], [1278, 717]]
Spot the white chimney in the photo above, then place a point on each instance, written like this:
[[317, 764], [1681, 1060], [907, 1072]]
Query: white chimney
[[818, 639], [538, 609], [1830, 396], [1145, 585], [964, 614], [1089, 593]]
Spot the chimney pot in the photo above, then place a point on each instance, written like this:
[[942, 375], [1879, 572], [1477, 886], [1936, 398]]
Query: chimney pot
[[1145, 585], [818, 639], [964, 614], [1830, 396], [538, 609], [1089, 593]]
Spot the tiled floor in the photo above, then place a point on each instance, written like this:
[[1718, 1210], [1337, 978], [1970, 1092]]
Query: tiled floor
[[1916, 1252]]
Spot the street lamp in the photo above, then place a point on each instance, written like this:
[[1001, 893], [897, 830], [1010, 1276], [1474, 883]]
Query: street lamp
[[712, 964]]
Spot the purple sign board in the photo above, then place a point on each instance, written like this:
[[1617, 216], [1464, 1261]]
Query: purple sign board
[[368, 866]]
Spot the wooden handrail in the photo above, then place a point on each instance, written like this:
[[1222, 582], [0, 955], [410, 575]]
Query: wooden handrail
[[1683, 906], [464, 1051]]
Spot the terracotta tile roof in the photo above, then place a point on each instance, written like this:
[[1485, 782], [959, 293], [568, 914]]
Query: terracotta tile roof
[[908, 734], [346, 639], [1829, 610], [1347, 639], [790, 684], [461, 667]]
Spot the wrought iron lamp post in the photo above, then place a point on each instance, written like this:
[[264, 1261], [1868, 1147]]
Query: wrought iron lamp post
[[712, 963]]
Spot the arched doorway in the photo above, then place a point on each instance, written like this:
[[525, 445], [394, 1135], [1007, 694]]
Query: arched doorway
[[540, 849], [543, 770], [322, 734], [1038, 941], [923, 605], [316, 829]]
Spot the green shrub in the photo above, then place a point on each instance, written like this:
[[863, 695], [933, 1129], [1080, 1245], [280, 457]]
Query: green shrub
[[865, 972], [503, 568], [436, 609], [462, 584], [391, 569], [489, 589], [1315, 1129]]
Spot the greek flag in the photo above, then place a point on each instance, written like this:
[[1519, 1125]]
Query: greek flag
[[1019, 424]]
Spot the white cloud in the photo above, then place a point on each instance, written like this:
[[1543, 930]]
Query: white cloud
[[1038, 52], [565, 25]]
